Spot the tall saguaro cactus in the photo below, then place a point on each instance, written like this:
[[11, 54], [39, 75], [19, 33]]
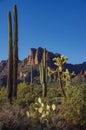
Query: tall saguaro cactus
[[43, 74], [10, 57], [15, 53]]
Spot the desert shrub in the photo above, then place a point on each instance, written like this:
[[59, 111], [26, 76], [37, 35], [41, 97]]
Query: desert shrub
[[13, 118], [3, 96], [37, 91], [23, 88], [54, 92], [68, 112], [24, 96], [74, 106]]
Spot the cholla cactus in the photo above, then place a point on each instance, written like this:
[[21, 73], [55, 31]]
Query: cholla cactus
[[50, 73], [59, 62], [67, 77], [62, 75]]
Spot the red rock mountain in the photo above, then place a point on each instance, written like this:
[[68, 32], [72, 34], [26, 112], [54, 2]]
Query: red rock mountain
[[36, 55], [34, 58]]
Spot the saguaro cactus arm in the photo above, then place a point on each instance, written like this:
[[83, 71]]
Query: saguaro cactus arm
[[15, 53], [10, 58]]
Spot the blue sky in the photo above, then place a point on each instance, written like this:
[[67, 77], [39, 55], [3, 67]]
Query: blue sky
[[58, 25]]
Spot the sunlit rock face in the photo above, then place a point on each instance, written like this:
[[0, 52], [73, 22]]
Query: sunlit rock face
[[36, 56], [31, 59], [39, 55]]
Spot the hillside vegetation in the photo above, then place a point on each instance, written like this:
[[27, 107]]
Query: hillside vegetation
[[31, 111], [50, 105]]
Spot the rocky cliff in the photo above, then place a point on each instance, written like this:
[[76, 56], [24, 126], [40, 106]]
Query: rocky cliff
[[36, 55], [34, 58]]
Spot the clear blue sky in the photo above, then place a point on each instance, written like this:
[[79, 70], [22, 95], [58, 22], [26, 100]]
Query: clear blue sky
[[58, 25]]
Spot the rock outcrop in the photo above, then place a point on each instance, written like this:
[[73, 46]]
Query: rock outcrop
[[34, 58], [3, 65], [31, 58], [39, 55]]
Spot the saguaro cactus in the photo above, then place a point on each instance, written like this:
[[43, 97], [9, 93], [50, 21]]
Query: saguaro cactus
[[43, 74], [31, 79], [10, 57], [15, 53]]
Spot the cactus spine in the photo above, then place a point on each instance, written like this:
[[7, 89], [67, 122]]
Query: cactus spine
[[43, 74], [15, 53], [10, 58]]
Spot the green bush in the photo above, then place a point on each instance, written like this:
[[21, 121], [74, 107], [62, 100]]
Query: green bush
[[23, 89], [74, 106], [37, 91], [3, 96], [24, 96]]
